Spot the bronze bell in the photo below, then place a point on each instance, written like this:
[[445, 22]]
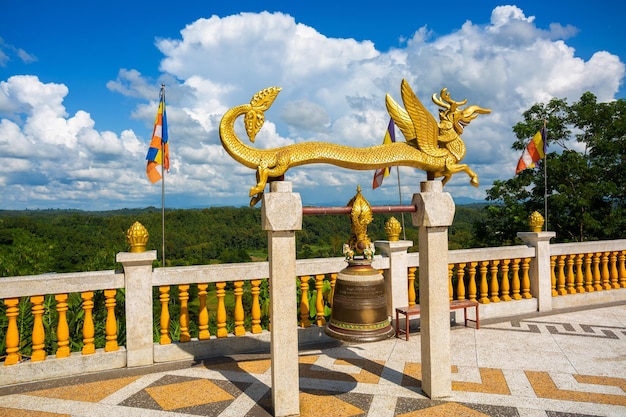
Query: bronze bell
[[359, 312]]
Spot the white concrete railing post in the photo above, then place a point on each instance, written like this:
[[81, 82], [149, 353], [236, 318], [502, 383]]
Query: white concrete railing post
[[138, 284], [281, 216], [435, 212], [539, 273], [396, 287]]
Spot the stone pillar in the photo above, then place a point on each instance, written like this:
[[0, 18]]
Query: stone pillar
[[539, 273], [138, 284], [435, 212], [396, 286], [281, 216]]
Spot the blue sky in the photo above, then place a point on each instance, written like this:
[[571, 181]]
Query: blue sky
[[79, 88]]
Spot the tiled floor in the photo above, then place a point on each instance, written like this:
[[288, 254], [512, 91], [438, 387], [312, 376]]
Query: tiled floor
[[567, 364]]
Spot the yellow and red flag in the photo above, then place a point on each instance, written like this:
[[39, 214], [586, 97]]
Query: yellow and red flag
[[535, 151], [158, 153]]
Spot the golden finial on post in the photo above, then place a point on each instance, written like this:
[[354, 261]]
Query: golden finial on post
[[393, 229], [536, 221], [137, 237]]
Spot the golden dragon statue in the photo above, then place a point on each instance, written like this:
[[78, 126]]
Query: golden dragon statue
[[434, 147]]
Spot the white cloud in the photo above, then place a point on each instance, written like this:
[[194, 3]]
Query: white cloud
[[332, 90]]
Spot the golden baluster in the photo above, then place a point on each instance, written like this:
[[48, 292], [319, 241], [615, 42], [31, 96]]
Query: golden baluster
[[560, 278], [553, 275], [164, 321], [471, 285], [203, 313], [515, 282], [320, 320], [256, 306], [110, 327], [588, 273], [460, 283], [240, 330], [63, 331], [220, 293], [494, 288], [614, 274], [606, 285], [622, 269], [39, 334], [304, 301], [88, 329], [183, 297], [13, 334], [411, 277], [450, 287], [571, 289], [580, 276], [484, 287], [597, 277], [526, 279], [504, 285], [333, 281]]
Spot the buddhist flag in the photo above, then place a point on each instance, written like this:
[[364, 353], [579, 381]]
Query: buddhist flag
[[535, 151], [158, 153], [390, 136]]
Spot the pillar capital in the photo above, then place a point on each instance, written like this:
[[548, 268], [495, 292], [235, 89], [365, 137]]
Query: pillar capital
[[532, 238], [387, 247], [136, 258], [434, 207], [281, 209]]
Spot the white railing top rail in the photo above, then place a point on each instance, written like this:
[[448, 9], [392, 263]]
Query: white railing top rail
[[481, 254], [29, 285], [587, 247], [248, 271]]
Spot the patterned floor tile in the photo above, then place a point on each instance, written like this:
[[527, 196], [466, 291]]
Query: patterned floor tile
[[545, 387], [493, 382], [324, 404], [410, 407], [13, 412], [90, 392], [187, 395], [251, 367]]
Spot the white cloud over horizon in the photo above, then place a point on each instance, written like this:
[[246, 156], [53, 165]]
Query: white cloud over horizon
[[333, 90]]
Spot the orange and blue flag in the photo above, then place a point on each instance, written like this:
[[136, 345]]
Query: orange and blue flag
[[158, 153], [381, 173], [535, 151]]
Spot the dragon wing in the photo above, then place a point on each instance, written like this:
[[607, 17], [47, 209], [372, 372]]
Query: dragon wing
[[423, 126], [402, 119]]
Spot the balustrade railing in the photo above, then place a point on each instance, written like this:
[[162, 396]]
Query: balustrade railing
[[202, 303]]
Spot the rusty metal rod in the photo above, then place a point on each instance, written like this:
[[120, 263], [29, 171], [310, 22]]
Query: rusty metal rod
[[348, 209]]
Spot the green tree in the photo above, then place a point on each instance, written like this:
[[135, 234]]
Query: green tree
[[585, 175]]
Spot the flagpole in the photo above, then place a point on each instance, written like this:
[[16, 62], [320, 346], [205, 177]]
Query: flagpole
[[162, 187], [545, 174], [400, 195]]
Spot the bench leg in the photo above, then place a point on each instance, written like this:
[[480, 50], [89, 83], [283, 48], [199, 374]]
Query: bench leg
[[406, 326], [397, 324]]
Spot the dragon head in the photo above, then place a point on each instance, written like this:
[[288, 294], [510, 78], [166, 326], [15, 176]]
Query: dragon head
[[458, 118]]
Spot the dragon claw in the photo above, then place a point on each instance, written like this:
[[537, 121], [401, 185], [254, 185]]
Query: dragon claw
[[255, 199]]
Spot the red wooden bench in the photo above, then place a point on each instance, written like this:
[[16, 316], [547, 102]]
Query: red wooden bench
[[414, 310]]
